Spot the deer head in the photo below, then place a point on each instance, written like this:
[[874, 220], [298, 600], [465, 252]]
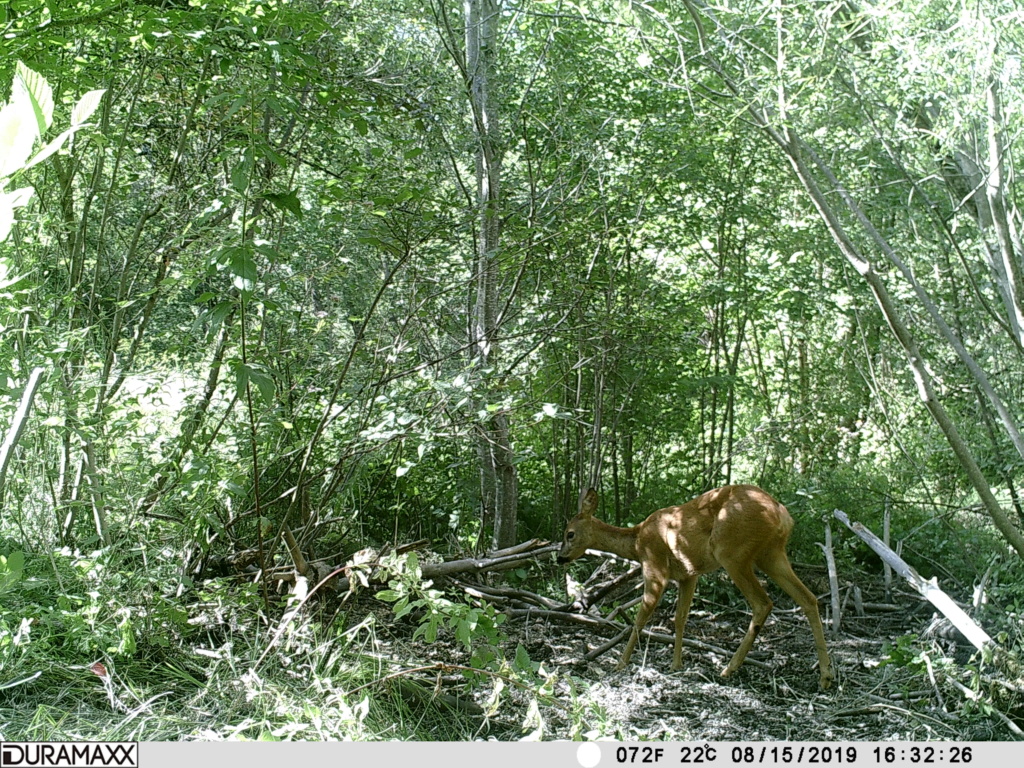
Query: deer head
[[579, 532]]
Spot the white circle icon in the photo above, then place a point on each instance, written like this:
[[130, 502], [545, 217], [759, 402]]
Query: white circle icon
[[588, 755]]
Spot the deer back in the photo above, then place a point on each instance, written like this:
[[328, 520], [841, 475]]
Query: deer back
[[735, 522]]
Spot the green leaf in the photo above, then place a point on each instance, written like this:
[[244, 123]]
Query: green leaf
[[241, 377], [6, 219], [50, 148], [264, 383], [8, 202], [32, 86], [523, 661], [242, 267], [256, 375], [86, 106], [286, 201], [464, 634], [240, 175], [11, 569], [402, 607], [389, 595], [430, 633], [221, 311]]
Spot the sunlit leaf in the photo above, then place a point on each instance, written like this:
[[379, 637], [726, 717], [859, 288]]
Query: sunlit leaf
[[18, 132], [32, 87], [86, 106]]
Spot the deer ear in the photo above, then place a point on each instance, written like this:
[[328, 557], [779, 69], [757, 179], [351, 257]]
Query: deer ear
[[588, 503]]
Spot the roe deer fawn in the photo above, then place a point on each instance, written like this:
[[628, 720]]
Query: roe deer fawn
[[736, 527]]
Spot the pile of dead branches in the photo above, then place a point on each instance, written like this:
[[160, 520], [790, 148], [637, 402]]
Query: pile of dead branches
[[582, 606]]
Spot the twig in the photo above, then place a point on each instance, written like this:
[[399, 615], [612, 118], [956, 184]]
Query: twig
[[976, 697]]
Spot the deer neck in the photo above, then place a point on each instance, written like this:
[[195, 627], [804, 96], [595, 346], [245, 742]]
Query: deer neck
[[618, 541]]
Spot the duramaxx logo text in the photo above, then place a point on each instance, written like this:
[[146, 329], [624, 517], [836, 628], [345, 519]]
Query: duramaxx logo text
[[58, 755]]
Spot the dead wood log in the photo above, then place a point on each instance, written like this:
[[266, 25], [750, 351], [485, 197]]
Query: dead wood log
[[518, 548], [339, 581], [481, 564], [929, 589], [569, 618], [496, 594]]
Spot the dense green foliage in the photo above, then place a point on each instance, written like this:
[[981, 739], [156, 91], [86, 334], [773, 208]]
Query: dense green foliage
[[250, 277]]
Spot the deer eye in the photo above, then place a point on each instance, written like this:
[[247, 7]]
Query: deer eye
[[570, 535]]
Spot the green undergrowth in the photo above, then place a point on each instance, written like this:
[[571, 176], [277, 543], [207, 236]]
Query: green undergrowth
[[117, 645], [113, 645]]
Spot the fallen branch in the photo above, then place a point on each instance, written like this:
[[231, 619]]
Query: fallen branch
[[498, 594], [479, 565], [986, 706], [630, 578], [929, 589]]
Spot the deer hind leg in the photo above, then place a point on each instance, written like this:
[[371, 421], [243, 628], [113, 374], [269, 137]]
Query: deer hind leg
[[686, 587], [781, 572], [653, 589], [742, 574]]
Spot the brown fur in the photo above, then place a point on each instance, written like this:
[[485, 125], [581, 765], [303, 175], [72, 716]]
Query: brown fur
[[736, 527]]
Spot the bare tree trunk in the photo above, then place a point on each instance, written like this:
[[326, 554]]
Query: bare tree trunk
[[995, 191], [983, 190], [191, 424], [97, 492], [498, 482], [627, 449], [17, 426]]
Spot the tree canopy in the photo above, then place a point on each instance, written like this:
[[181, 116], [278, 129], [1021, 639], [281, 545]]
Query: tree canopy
[[284, 280]]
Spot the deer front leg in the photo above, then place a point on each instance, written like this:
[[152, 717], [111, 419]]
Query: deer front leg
[[653, 589]]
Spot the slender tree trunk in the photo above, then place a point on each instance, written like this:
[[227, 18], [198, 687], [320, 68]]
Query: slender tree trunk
[[17, 426], [995, 191], [498, 481], [191, 424], [627, 450]]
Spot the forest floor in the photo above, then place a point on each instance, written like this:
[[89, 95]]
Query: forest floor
[[206, 666], [887, 688]]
